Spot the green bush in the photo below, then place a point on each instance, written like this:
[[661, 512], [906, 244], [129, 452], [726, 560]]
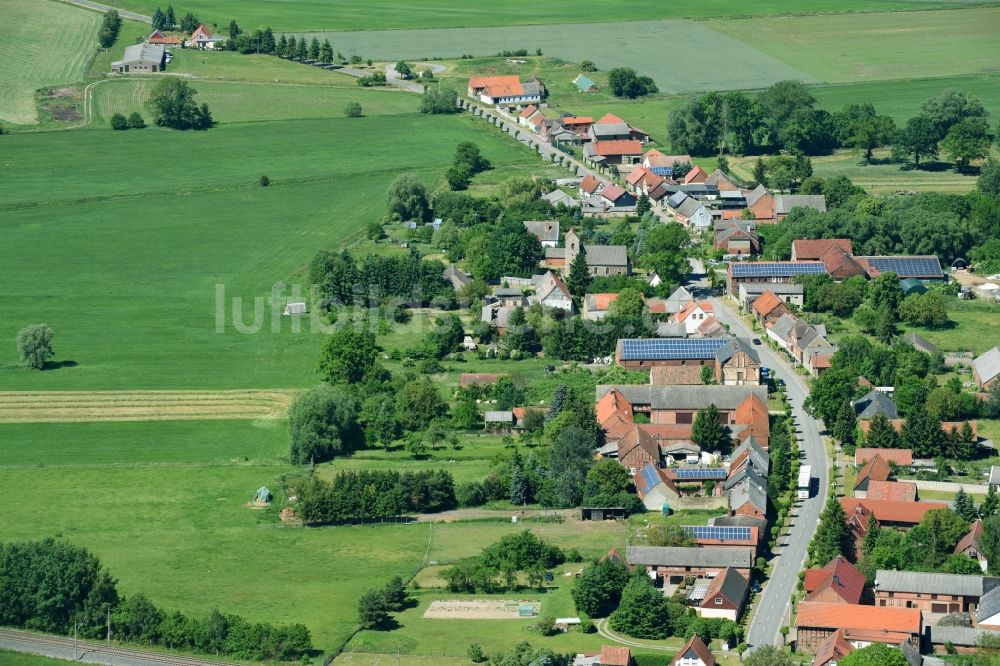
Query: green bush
[[119, 122]]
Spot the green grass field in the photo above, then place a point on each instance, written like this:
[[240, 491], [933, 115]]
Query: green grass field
[[235, 102], [344, 15], [974, 330], [679, 55], [16, 659], [142, 255], [41, 44], [848, 48]]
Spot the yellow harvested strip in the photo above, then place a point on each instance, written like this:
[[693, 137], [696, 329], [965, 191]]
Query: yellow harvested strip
[[70, 406]]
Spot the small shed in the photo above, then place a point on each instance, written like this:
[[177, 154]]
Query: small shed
[[603, 513], [584, 84], [295, 308], [912, 286]]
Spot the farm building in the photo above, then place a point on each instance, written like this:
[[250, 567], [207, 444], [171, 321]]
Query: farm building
[[140, 58], [203, 38], [505, 90]]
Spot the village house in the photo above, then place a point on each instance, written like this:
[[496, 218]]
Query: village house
[[158, 38], [559, 198], [772, 208], [677, 299], [873, 403], [601, 259], [937, 593], [896, 491], [813, 250], [663, 165], [505, 90], [673, 564], [678, 361], [616, 199], [551, 292], [654, 488], [988, 613], [140, 58], [768, 308], [839, 582], [546, 231], [695, 175], [617, 152], [739, 272], [693, 653], [900, 457], [876, 469], [736, 237], [608, 656], [970, 544], [723, 597], [986, 369], [887, 513], [590, 185], [678, 405], [612, 128], [791, 293], [862, 625], [693, 314], [203, 38], [584, 84]]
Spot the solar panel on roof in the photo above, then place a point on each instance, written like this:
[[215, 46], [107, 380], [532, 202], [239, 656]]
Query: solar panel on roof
[[700, 473], [663, 171], [721, 533], [776, 269], [671, 348], [649, 477], [906, 266]]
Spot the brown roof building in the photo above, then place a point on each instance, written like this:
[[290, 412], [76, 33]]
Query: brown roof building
[[876, 469], [901, 457], [839, 582], [817, 621], [812, 250], [897, 491], [694, 652]]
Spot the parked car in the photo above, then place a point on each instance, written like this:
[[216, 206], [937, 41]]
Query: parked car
[[756, 341]]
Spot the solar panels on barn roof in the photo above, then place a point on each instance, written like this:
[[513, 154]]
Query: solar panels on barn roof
[[670, 348], [718, 533], [664, 171], [697, 473], [906, 267], [752, 269], [649, 478]]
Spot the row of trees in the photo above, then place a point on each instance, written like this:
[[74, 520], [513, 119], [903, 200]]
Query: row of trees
[[373, 495], [784, 117], [111, 23], [167, 20], [53, 586]]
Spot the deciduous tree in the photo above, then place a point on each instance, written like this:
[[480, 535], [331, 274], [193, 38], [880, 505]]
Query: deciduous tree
[[34, 344]]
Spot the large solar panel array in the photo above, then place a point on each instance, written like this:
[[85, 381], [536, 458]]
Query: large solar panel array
[[743, 269], [670, 348], [719, 533], [907, 266], [649, 477], [700, 473]]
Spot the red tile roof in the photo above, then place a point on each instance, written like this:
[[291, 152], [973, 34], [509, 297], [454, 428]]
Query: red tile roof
[[610, 119], [907, 513], [690, 307], [603, 301], [898, 491], [618, 147], [579, 120], [814, 249], [612, 192], [636, 175], [834, 648], [695, 175], [864, 618], [528, 111], [477, 82], [613, 402], [589, 183], [840, 576], [615, 656], [752, 413], [876, 469], [696, 645], [971, 538], [765, 303], [899, 456]]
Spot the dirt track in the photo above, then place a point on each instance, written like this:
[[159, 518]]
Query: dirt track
[[79, 406]]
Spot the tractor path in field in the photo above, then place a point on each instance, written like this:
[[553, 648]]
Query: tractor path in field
[[96, 6], [89, 406]]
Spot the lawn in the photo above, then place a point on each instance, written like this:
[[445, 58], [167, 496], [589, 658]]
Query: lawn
[[143, 444], [849, 48], [16, 659], [883, 176], [131, 274], [975, 327], [345, 15], [235, 102], [679, 55], [41, 44]]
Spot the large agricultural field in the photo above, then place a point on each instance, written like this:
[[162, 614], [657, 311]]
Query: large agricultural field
[[41, 44], [145, 439]]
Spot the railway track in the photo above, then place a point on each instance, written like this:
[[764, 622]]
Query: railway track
[[93, 652]]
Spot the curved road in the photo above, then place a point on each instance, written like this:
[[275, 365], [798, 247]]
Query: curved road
[[790, 554]]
